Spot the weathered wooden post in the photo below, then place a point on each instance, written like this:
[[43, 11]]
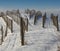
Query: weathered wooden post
[[6, 31], [22, 31], [57, 23], [44, 19], [17, 19], [26, 24], [11, 26], [6, 27], [35, 19], [1, 34]]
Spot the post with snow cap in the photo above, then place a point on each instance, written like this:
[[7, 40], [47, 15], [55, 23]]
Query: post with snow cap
[[44, 19], [2, 34], [22, 31]]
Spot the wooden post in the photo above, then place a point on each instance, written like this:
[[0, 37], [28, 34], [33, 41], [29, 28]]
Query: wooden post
[[11, 26], [35, 19], [17, 19], [27, 24], [44, 19], [22, 31], [57, 23], [43, 22], [2, 34], [6, 28], [6, 31]]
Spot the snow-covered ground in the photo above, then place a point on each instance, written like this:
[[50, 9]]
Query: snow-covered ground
[[36, 39]]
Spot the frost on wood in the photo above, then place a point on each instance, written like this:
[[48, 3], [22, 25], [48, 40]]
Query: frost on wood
[[9, 22], [55, 21]]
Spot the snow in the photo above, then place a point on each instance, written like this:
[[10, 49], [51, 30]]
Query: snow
[[24, 15], [36, 39], [9, 17]]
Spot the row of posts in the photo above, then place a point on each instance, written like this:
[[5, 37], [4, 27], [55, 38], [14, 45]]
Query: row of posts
[[24, 26], [54, 20]]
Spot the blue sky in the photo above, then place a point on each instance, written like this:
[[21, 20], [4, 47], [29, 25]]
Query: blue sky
[[35, 4]]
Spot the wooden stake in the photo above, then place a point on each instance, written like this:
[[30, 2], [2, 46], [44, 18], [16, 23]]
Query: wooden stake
[[44, 19], [27, 24], [35, 19], [11, 26], [6, 28], [6, 31], [1, 34], [22, 32], [57, 23]]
